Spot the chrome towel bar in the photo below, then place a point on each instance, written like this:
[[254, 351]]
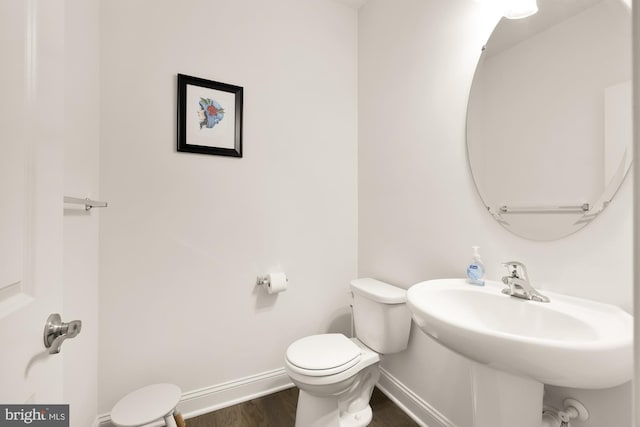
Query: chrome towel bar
[[88, 203], [583, 208]]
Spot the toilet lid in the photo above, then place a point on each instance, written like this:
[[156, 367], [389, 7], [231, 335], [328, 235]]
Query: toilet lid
[[325, 354]]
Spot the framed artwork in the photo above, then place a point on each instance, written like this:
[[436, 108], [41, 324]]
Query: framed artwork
[[209, 117]]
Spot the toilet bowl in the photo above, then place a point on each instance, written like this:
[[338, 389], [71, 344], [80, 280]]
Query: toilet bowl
[[335, 374]]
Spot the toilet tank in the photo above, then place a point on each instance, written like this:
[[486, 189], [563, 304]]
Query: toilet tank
[[380, 315]]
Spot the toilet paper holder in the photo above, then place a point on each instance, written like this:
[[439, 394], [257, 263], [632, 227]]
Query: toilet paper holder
[[274, 283], [265, 280]]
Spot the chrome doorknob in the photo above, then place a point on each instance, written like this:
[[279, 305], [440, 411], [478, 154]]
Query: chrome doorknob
[[56, 331]]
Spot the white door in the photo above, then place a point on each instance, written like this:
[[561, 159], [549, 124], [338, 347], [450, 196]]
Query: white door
[[31, 207]]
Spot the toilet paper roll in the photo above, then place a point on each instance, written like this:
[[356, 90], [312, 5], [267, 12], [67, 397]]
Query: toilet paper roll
[[277, 283]]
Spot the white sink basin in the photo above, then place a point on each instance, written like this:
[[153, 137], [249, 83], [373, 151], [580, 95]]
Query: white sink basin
[[568, 342]]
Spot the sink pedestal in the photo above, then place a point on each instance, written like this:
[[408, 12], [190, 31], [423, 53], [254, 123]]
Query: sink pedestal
[[501, 399]]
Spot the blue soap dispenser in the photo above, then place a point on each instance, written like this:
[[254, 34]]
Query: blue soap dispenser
[[475, 270]]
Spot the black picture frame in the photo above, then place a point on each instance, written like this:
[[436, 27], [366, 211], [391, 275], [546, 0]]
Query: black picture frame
[[203, 106]]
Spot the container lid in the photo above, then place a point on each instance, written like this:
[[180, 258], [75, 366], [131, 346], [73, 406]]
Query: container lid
[[324, 352], [379, 291]]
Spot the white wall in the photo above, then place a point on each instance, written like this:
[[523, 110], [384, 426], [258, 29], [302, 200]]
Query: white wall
[[419, 213], [186, 235], [80, 257]]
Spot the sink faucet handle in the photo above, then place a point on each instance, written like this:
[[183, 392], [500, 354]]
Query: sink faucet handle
[[516, 269]]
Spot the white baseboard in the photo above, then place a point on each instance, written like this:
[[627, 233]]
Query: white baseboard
[[418, 409], [212, 398], [220, 396], [209, 399]]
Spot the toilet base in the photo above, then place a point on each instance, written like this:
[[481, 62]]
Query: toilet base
[[347, 409], [359, 419], [315, 411]]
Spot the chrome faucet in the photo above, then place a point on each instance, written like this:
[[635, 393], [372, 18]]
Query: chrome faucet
[[518, 283]]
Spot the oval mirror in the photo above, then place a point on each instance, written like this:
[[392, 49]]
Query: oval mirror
[[549, 132]]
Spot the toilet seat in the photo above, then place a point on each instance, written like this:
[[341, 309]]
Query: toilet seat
[[323, 355]]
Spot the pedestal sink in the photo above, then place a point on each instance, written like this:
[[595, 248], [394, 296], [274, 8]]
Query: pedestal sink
[[519, 345]]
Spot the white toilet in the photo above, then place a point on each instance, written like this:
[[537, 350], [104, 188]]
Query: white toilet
[[335, 374]]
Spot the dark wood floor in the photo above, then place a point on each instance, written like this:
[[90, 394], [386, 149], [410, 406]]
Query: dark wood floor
[[279, 410]]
